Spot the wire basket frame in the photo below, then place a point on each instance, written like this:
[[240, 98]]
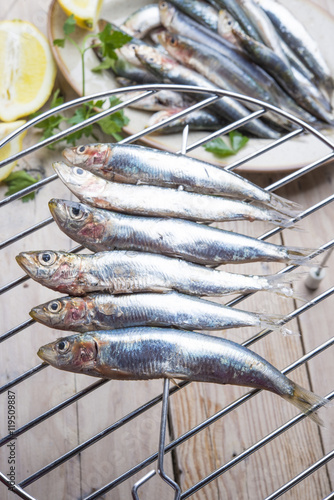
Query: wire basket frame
[[77, 395]]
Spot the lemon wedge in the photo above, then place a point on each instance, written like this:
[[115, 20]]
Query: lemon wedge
[[27, 69], [85, 12], [12, 147]]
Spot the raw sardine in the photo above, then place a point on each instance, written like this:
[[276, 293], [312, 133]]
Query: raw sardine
[[199, 10], [108, 312], [150, 353], [267, 58], [299, 40], [100, 230], [214, 66], [137, 164], [196, 120], [142, 21], [126, 272], [169, 70], [160, 201]]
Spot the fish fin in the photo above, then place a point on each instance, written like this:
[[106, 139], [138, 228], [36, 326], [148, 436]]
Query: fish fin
[[270, 321], [307, 402], [174, 382], [285, 206], [280, 283], [301, 256]]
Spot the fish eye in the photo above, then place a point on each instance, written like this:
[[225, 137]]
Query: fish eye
[[173, 40], [163, 5], [54, 306], [76, 213], [47, 258], [81, 149], [62, 346], [79, 171]]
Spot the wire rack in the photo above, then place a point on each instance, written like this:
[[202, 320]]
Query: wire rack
[[64, 399]]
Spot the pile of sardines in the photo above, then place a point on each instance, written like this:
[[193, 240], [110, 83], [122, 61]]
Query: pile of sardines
[[136, 301], [253, 47]]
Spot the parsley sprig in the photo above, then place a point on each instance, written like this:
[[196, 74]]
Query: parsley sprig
[[16, 181], [221, 149], [111, 125], [107, 41]]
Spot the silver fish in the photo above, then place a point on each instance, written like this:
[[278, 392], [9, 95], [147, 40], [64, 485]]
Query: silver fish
[[160, 101], [134, 164], [127, 272], [201, 11], [108, 312], [101, 230], [160, 201], [275, 66], [142, 21], [196, 120], [150, 353], [299, 40], [214, 66], [168, 69], [236, 10], [176, 22], [264, 26], [226, 24]]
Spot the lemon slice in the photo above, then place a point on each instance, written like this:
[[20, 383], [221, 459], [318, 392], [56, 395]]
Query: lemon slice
[[85, 12], [27, 69], [12, 147]]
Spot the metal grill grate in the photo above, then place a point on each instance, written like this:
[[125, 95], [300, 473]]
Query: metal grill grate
[[15, 375]]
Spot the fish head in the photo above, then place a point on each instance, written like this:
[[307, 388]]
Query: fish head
[[77, 353], [87, 156], [128, 51], [81, 222], [167, 12], [81, 182], [176, 45], [52, 269], [225, 22], [64, 313], [155, 60]]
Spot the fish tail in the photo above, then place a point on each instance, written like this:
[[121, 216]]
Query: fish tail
[[307, 401], [286, 207], [282, 220], [301, 256], [269, 321], [281, 283]]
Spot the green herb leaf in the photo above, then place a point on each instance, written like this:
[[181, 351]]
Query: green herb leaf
[[16, 181], [113, 124], [57, 99], [99, 104], [69, 25], [59, 42], [238, 141], [107, 63], [219, 147], [51, 125], [111, 40]]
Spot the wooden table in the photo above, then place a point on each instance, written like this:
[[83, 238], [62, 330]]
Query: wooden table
[[254, 478]]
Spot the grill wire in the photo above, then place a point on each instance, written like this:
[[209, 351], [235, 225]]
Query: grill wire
[[206, 97]]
